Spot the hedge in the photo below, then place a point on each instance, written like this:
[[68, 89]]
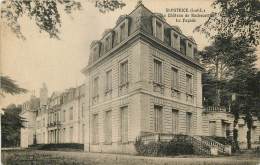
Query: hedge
[[58, 146], [174, 147]]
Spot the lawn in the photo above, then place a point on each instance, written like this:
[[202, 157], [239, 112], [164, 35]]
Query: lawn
[[25, 157]]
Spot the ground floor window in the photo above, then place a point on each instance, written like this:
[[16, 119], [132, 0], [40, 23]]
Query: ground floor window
[[95, 136], [158, 119], [188, 123], [108, 127], [212, 128], [124, 124], [175, 121]]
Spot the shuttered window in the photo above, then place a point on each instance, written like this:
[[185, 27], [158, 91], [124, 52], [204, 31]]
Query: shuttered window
[[157, 71], [158, 119], [124, 124], [124, 73]]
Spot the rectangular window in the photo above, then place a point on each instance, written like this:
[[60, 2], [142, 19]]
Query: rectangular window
[[109, 80], [71, 134], [158, 122], [175, 119], [159, 30], [83, 110], [108, 127], [83, 133], [122, 32], [95, 88], [107, 44], [212, 128], [64, 135], [95, 137], [183, 46], [64, 115], [189, 84], [124, 73], [71, 113], [124, 124], [157, 71], [175, 79], [188, 123]]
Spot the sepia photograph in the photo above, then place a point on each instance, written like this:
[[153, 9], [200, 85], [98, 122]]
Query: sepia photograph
[[130, 82]]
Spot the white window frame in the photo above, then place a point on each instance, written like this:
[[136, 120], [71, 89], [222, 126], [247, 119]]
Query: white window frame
[[126, 79], [154, 75]]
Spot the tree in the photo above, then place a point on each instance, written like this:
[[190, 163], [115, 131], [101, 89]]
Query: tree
[[8, 86], [230, 62], [237, 17], [46, 13], [11, 123]]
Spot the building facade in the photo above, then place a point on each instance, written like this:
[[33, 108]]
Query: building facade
[[142, 77], [55, 119]]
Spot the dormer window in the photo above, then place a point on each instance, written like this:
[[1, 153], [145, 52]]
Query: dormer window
[[175, 40], [107, 44], [158, 31], [122, 32], [183, 46]]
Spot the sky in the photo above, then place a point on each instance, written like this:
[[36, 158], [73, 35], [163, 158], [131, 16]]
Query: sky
[[58, 63]]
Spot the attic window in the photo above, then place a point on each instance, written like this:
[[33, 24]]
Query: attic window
[[122, 32], [189, 45], [159, 30], [175, 36]]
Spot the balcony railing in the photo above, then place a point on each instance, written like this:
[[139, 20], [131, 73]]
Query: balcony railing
[[215, 109], [54, 124]]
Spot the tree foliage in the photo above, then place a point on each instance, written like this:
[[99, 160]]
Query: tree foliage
[[238, 17], [8, 86], [11, 123], [46, 13]]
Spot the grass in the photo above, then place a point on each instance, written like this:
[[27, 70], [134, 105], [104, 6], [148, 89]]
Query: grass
[[24, 157]]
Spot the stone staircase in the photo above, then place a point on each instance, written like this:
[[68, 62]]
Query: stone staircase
[[202, 145]]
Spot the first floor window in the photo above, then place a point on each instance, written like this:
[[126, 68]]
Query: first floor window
[[124, 124], [175, 78], [95, 137], [158, 119], [157, 71], [189, 83], [123, 73]]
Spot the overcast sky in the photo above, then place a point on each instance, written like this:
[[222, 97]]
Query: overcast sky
[[58, 63]]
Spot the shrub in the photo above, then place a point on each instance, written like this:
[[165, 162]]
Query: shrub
[[174, 147], [58, 146]]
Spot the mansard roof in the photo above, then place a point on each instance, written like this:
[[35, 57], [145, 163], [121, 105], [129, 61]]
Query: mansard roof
[[140, 20]]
